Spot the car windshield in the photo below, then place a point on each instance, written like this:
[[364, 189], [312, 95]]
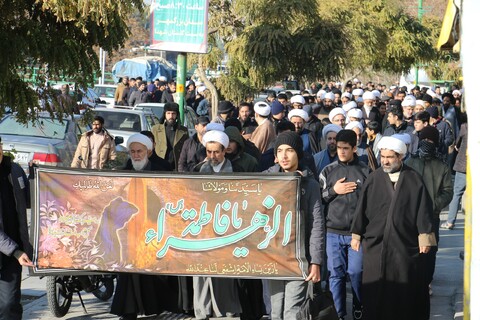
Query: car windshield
[[104, 92], [157, 110], [44, 127], [123, 121]]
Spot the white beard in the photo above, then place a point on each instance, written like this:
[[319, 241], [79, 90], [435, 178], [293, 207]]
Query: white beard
[[139, 164]]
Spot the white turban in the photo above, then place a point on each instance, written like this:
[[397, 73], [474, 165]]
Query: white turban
[[359, 99], [297, 99], [394, 144], [355, 113], [420, 103], [163, 78], [335, 112], [404, 137], [216, 136], [457, 92], [321, 93], [357, 92], [432, 93], [201, 89], [330, 128], [376, 93], [409, 101], [140, 138], [347, 94], [298, 113], [354, 124], [262, 108], [349, 106], [329, 95], [368, 95], [214, 126]]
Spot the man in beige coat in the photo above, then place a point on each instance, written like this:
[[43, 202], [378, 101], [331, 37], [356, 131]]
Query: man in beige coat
[[170, 135], [96, 147]]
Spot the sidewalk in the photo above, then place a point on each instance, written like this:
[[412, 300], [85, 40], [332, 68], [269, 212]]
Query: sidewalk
[[446, 301]]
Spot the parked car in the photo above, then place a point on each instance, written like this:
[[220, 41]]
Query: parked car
[[106, 92], [125, 121], [47, 141], [89, 98], [157, 108]]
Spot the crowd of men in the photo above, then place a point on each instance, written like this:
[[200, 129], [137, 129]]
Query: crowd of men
[[132, 91], [376, 166]]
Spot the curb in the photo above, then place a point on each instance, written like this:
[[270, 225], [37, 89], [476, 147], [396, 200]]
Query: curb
[[458, 305]]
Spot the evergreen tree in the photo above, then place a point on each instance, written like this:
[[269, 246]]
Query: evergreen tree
[[57, 36]]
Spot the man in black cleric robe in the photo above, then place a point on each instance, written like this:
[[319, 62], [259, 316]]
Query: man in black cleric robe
[[136, 293], [393, 223]]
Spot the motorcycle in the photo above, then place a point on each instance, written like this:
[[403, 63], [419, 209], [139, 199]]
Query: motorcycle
[[60, 290]]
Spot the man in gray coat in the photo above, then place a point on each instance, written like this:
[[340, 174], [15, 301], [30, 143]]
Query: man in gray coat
[[287, 296], [438, 181]]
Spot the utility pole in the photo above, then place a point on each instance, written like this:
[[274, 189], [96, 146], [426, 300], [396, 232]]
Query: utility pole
[[181, 79], [420, 16], [101, 79]]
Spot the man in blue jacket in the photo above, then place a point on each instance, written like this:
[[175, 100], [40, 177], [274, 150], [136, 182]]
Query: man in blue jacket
[[15, 249], [340, 183]]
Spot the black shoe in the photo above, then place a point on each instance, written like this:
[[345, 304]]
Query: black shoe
[[189, 313], [129, 316]]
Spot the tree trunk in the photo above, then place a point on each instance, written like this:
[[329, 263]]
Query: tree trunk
[[351, 77], [201, 73]]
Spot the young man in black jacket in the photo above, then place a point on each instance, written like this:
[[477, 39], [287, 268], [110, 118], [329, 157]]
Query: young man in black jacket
[[340, 183], [15, 248], [287, 296]]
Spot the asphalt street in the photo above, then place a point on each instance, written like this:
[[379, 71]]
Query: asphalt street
[[446, 300]]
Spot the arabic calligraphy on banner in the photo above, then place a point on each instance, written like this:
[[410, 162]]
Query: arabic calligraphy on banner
[[231, 226], [179, 25]]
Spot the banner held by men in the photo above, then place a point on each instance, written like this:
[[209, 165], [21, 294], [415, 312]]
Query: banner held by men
[[227, 225]]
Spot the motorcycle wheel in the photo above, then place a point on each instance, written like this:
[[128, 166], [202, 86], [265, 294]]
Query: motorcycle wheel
[[58, 297], [105, 288]]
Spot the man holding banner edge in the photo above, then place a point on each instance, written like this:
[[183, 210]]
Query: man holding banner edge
[[15, 248], [288, 295]]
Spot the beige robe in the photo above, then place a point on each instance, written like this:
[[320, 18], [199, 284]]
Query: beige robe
[[263, 135]]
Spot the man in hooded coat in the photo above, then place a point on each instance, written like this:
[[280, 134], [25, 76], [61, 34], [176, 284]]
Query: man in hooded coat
[[241, 161]]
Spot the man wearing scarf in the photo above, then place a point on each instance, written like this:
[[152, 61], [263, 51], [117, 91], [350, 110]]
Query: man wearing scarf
[[437, 178], [170, 135], [394, 224]]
